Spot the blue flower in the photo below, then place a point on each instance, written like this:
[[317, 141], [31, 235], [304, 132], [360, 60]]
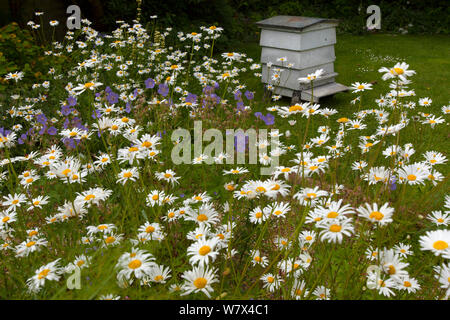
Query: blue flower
[[163, 89], [149, 83], [249, 95], [72, 101]]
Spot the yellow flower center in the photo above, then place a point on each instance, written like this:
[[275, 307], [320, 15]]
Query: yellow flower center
[[397, 71], [110, 240], [89, 85], [332, 214], [335, 228], [134, 264], [391, 270], [261, 189], [308, 238], [80, 263], [200, 283], [258, 215], [43, 273], [127, 175], [411, 177], [295, 108], [440, 245], [407, 284], [30, 244], [270, 279], [204, 250], [89, 197], [158, 278], [377, 215], [202, 217]]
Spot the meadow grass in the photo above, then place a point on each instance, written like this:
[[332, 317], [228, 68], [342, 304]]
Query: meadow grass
[[102, 224]]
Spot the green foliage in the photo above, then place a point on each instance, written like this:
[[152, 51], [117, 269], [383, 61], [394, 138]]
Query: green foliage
[[18, 51]]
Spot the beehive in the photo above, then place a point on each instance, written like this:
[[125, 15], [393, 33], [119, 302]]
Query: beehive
[[306, 42]]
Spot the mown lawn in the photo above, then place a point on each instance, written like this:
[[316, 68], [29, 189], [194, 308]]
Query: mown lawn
[[358, 58]]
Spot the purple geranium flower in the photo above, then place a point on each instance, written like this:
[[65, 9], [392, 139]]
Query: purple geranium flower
[[72, 101], [149, 83], [249, 95], [52, 131], [163, 89]]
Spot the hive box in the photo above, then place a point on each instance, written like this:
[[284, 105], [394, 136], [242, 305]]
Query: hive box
[[306, 42]]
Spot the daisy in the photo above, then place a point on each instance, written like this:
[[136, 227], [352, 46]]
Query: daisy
[[257, 215], [334, 231], [80, 261], [400, 70], [51, 271], [80, 88], [271, 282], [258, 259], [158, 274], [407, 283], [13, 201], [334, 211], [280, 209], [312, 76], [433, 158], [199, 279], [151, 230], [436, 241], [111, 240], [382, 215], [102, 160], [307, 237], [206, 214], [439, 218], [298, 289], [109, 296], [202, 251], [442, 274], [168, 175], [309, 196], [391, 263], [404, 250], [127, 175], [30, 245], [238, 170], [383, 286], [38, 202], [413, 174], [425, 102], [357, 87], [7, 217], [136, 263], [322, 293]]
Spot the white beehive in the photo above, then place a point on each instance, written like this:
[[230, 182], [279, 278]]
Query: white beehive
[[306, 42]]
